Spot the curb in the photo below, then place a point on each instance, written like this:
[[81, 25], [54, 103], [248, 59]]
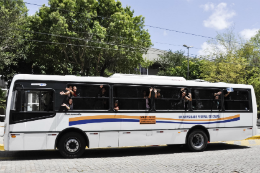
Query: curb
[[253, 137], [2, 147]]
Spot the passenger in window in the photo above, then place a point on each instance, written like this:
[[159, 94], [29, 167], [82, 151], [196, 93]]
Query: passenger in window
[[70, 105], [116, 107], [226, 94], [226, 97], [68, 92], [217, 99], [147, 104], [103, 93], [74, 92], [184, 98], [157, 93]]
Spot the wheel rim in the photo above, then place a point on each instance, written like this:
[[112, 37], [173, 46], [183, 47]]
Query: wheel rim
[[197, 141], [72, 145]]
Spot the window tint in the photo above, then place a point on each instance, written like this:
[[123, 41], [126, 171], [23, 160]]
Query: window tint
[[236, 100], [206, 99], [132, 97], [32, 104], [170, 98], [37, 100], [85, 97]]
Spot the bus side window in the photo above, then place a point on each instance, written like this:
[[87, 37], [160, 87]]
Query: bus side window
[[87, 97], [14, 101], [206, 99], [133, 97], [236, 100], [171, 98], [35, 100]]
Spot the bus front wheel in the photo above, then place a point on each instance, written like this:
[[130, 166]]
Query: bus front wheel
[[197, 140], [72, 145]]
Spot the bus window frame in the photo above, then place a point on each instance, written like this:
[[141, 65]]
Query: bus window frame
[[129, 85], [176, 87], [208, 88], [53, 112], [39, 89], [91, 110], [249, 100]]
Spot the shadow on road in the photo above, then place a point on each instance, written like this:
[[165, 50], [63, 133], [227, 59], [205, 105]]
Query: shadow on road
[[113, 152]]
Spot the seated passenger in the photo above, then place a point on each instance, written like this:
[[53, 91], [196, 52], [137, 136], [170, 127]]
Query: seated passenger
[[70, 105], [116, 107]]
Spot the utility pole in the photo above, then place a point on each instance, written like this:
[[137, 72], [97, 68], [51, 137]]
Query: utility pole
[[188, 47]]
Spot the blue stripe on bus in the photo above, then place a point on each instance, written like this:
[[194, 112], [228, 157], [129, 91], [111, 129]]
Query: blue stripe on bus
[[101, 121], [137, 120]]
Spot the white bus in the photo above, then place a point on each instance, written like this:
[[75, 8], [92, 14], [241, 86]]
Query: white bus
[[70, 113]]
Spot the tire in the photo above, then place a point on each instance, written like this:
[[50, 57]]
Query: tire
[[197, 141], [72, 145]]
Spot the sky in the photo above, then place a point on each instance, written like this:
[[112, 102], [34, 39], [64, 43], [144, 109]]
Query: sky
[[196, 17]]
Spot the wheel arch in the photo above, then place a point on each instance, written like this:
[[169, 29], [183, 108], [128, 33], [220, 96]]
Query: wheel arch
[[73, 129], [200, 128]]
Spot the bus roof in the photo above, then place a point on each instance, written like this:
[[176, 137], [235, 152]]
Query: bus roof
[[128, 79]]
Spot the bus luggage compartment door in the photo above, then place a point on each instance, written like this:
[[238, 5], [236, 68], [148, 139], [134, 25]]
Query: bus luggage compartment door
[[15, 141]]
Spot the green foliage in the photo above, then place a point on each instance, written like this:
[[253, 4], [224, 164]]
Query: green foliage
[[2, 99], [146, 63], [12, 49], [176, 64], [194, 70], [102, 35], [230, 69], [234, 63], [171, 59]]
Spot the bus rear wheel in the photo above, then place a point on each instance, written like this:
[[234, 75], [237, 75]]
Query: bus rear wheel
[[72, 145], [197, 141]]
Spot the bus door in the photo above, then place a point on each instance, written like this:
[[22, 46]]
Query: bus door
[[30, 118]]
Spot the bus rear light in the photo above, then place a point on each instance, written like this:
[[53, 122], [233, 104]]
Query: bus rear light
[[215, 129], [159, 131], [126, 132], [94, 133], [52, 134], [179, 132], [244, 130], [250, 128]]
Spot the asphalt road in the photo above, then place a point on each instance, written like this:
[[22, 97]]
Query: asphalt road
[[218, 157]]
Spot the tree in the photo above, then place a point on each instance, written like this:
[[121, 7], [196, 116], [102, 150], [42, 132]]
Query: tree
[[12, 50], [225, 61], [2, 99], [230, 69], [194, 70], [88, 37], [176, 64], [171, 59]]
